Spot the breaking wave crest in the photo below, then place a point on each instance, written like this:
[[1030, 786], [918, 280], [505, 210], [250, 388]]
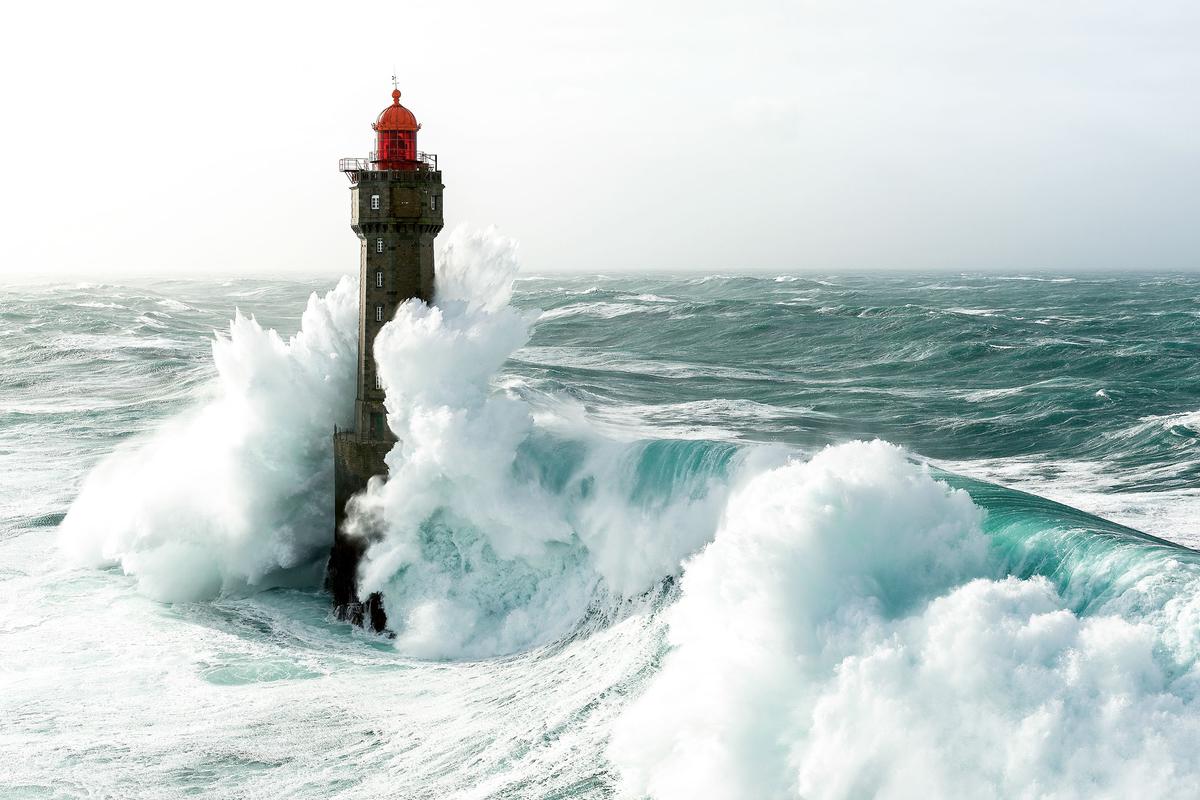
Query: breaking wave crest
[[234, 493], [493, 533], [860, 629]]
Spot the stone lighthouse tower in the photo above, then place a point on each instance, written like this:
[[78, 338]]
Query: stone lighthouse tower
[[396, 211]]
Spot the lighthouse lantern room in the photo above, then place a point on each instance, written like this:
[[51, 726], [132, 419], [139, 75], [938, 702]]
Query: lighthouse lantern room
[[395, 137]]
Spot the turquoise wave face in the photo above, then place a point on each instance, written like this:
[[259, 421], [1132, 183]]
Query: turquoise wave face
[[1077, 387], [640, 524]]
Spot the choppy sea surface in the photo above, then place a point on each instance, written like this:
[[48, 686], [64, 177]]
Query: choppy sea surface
[[639, 539]]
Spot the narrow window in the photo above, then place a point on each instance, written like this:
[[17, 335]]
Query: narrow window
[[375, 202], [379, 245], [379, 313], [376, 422], [379, 279], [433, 202], [378, 381]]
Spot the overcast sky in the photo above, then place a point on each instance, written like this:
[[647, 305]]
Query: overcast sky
[[832, 135]]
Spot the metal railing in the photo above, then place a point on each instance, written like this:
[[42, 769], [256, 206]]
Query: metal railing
[[423, 162]]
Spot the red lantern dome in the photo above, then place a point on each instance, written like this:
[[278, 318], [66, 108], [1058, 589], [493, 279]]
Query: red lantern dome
[[395, 137], [396, 117]]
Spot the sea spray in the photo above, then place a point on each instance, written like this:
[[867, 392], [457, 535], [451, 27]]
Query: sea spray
[[850, 633], [236, 491], [492, 533]]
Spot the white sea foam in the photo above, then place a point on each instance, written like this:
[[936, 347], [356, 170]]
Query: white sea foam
[[618, 361], [719, 418], [476, 556], [984, 395], [93, 305], [480, 550], [841, 638], [602, 310], [1187, 419], [174, 305], [1032, 278], [648, 298], [236, 490]]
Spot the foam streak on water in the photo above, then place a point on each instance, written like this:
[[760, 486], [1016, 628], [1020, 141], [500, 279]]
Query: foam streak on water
[[632, 545]]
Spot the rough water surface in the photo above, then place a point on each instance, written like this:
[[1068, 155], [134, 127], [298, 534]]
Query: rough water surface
[[665, 536]]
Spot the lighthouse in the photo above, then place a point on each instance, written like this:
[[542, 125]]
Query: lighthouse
[[396, 212]]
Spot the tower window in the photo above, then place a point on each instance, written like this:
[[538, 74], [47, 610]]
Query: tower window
[[379, 245], [379, 279], [379, 313], [433, 202], [375, 202], [378, 381]]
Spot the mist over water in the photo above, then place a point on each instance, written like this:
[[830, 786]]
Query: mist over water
[[641, 537]]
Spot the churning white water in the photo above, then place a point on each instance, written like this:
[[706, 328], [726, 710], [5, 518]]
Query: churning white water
[[579, 609]]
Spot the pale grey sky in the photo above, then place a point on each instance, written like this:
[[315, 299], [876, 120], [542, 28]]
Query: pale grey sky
[[823, 135]]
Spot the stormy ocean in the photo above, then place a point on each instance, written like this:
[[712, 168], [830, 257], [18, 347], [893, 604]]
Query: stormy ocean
[[673, 536]]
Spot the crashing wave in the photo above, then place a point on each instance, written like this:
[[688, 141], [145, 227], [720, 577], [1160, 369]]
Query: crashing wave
[[234, 493], [852, 631]]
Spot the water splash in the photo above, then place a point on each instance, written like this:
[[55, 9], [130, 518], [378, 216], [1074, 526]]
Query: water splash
[[491, 534], [853, 631], [235, 493]]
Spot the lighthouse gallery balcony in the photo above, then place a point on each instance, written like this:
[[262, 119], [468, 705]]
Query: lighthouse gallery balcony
[[354, 167]]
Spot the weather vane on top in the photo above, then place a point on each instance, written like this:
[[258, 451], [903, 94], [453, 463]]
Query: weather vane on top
[[395, 83]]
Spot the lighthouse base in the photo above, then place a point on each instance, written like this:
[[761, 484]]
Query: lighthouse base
[[355, 462]]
